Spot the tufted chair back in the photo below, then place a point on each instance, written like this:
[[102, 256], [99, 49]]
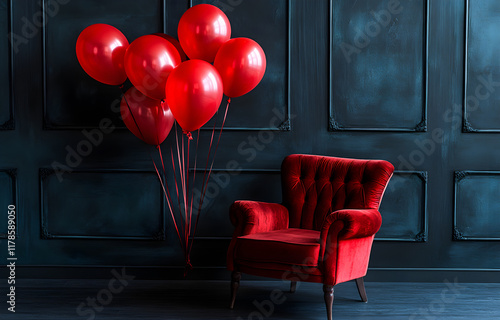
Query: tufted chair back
[[315, 186]]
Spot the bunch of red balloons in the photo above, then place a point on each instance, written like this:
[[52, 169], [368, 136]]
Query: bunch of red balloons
[[183, 80]]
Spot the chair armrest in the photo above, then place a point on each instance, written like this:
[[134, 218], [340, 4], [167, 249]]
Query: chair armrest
[[349, 224], [253, 217]]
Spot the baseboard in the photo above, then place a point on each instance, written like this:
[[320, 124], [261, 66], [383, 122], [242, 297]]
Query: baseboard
[[221, 273], [467, 275]]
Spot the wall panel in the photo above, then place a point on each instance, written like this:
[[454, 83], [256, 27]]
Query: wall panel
[[378, 65], [6, 109], [481, 94], [72, 98], [477, 205], [404, 208], [268, 23], [102, 204]]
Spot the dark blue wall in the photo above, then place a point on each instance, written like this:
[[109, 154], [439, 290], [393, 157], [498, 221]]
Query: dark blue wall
[[381, 79]]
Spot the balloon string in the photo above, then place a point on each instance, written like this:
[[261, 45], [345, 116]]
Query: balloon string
[[177, 191], [176, 185], [188, 212], [161, 158], [130, 111], [180, 161], [167, 195], [194, 173], [184, 189], [216, 147], [205, 171], [204, 189], [188, 266], [164, 173]]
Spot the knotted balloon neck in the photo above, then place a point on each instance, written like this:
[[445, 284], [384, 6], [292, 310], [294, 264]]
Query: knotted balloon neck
[[188, 135]]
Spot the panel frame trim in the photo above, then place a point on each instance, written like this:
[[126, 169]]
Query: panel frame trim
[[11, 123], [333, 123], [44, 225], [286, 123], [457, 233], [45, 124], [466, 125], [422, 236]]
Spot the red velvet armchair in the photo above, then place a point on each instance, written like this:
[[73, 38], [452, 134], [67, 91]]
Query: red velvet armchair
[[323, 232]]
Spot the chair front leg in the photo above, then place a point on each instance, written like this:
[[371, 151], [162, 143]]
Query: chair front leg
[[235, 284], [328, 294], [360, 283]]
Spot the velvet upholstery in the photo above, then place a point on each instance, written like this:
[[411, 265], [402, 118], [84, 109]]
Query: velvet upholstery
[[315, 186], [253, 217], [287, 246], [324, 229]]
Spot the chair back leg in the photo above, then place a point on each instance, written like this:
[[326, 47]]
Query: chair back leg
[[328, 294], [235, 284], [360, 283]]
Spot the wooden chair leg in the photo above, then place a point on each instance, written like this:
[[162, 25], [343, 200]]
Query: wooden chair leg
[[293, 286], [328, 294], [235, 284], [360, 283]]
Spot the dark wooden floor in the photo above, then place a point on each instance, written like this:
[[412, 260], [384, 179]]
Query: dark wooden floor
[[176, 300]]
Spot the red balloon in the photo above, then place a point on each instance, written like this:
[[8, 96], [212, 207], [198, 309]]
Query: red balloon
[[175, 42], [100, 49], [148, 62], [151, 120], [241, 63], [202, 30], [194, 93]]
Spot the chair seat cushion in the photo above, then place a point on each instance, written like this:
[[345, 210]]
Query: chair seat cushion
[[292, 246]]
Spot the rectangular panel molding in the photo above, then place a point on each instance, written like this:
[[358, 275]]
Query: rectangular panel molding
[[481, 100], [6, 66], [404, 208], [378, 65], [267, 107], [72, 99], [102, 204], [475, 214]]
